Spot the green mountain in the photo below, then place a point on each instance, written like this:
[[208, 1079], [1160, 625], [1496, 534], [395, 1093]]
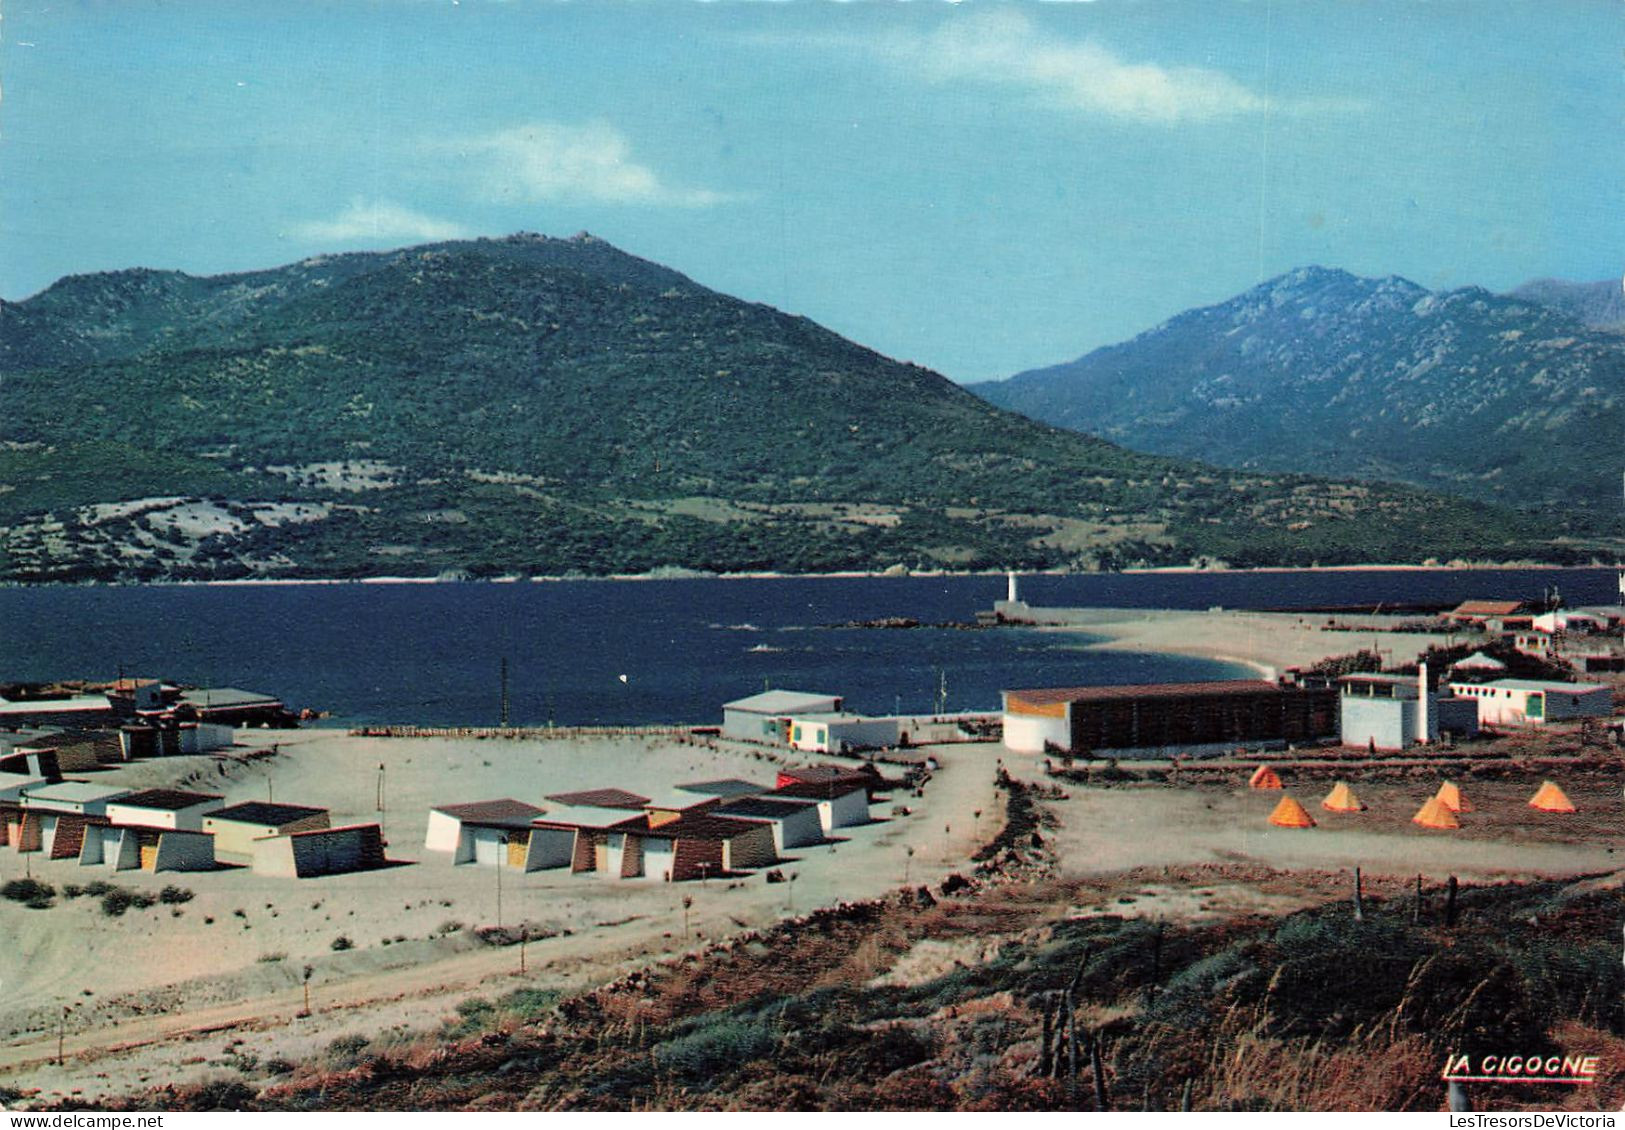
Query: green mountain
[[533, 405], [1491, 397]]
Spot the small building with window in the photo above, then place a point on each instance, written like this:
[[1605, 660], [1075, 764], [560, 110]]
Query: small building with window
[[1533, 702]]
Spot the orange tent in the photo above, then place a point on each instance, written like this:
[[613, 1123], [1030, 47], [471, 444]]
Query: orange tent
[[1449, 795], [1265, 778], [1342, 799], [1290, 814], [1550, 798], [1436, 814]]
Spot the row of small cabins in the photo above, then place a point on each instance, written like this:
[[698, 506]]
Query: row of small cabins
[[698, 830], [173, 830]]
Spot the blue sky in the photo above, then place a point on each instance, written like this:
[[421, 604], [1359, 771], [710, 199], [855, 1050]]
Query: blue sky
[[979, 188]]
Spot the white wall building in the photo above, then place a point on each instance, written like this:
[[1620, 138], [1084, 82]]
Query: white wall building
[[841, 732], [766, 717], [164, 808], [1530, 702], [489, 833]]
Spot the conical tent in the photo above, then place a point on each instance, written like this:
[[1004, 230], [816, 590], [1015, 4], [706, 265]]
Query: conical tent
[[1449, 795], [1550, 798], [1290, 814], [1436, 814], [1265, 778], [1342, 799]]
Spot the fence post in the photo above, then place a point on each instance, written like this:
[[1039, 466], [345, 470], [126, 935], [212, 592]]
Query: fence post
[[1102, 1099], [1450, 902], [1359, 901]]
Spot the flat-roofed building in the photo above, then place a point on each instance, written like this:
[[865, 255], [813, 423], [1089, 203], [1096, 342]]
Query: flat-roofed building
[[237, 827], [795, 821], [766, 717], [1533, 702], [491, 833], [1152, 719], [164, 808]]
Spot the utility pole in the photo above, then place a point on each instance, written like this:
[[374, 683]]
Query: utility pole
[[503, 721], [500, 859]]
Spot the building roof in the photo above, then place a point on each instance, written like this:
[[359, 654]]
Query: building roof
[[601, 798], [503, 813], [130, 684], [764, 807], [263, 812], [586, 816], [727, 786], [1548, 687], [78, 704], [74, 792], [1488, 608], [859, 774], [166, 800], [819, 790], [219, 698], [782, 702], [1479, 661], [692, 826], [341, 829], [1049, 695]]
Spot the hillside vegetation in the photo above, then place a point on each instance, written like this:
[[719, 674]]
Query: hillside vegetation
[[534, 405]]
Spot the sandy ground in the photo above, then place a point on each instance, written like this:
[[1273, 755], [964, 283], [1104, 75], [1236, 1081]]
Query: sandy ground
[[172, 994], [232, 958], [1269, 641], [1112, 829]]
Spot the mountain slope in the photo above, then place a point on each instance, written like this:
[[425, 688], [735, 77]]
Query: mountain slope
[[1597, 305], [1492, 397], [542, 405]]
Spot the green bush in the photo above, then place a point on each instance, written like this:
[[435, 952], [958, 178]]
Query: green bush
[[30, 891], [174, 895], [342, 943], [116, 901], [714, 1050]]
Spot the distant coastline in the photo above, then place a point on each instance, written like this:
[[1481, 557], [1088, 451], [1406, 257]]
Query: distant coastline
[[678, 573]]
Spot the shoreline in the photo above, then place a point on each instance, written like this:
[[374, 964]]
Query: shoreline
[[681, 574]]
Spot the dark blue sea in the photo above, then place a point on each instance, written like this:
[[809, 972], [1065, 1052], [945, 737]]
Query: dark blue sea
[[624, 652]]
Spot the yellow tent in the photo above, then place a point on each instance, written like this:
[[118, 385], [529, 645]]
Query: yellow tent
[[1449, 795], [1550, 798], [1342, 799], [1436, 814], [1265, 778], [1290, 814]]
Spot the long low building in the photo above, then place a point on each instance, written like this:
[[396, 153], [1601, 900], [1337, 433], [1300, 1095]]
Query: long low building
[[1152, 719]]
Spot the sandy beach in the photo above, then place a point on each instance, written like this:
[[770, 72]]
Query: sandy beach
[[1269, 642]]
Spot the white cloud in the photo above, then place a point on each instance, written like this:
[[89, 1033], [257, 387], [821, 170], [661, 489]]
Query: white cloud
[[378, 220], [548, 161], [1004, 48]]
